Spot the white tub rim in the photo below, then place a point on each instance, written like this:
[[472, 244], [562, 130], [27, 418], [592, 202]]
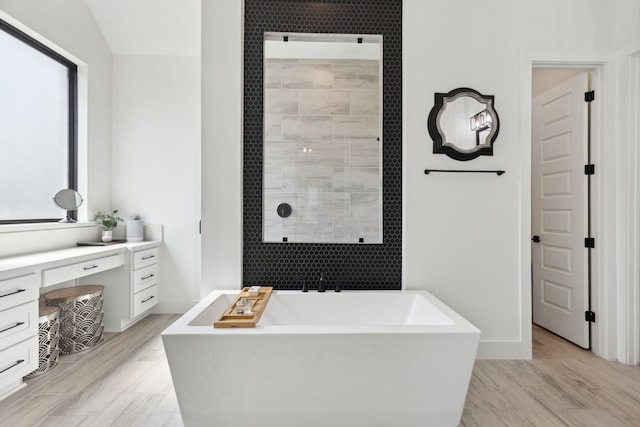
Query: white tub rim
[[182, 325]]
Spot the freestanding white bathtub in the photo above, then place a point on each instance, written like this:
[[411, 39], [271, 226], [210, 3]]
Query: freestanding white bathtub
[[358, 359]]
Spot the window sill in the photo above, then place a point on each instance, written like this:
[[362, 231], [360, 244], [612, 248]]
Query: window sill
[[18, 228]]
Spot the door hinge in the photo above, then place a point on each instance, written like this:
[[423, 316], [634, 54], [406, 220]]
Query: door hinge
[[589, 169], [589, 242], [589, 96], [589, 316]]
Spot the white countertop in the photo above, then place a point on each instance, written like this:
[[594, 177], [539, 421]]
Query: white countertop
[[39, 260]]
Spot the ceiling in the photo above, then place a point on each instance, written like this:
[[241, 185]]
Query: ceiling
[[149, 27]]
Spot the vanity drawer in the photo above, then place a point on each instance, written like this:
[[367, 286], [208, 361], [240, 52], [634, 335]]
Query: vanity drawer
[[144, 300], [18, 323], [19, 360], [80, 269], [145, 277], [18, 290], [145, 258]]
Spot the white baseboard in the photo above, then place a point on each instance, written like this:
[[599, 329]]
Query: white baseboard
[[503, 350]]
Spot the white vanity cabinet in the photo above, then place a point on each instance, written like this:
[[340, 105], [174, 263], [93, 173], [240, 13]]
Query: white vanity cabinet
[[145, 281], [18, 329], [128, 272], [132, 290]]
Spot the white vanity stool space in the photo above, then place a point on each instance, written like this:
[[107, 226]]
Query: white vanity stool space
[[128, 272]]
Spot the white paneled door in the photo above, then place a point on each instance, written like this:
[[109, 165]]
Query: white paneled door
[[559, 210]]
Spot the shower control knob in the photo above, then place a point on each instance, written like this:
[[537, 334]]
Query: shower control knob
[[284, 210]]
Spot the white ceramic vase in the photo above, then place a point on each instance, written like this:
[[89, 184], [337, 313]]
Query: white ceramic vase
[[107, 236], [134, 230]]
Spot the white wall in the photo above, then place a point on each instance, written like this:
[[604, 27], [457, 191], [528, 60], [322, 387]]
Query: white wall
[[466, 236], [156, 162], [221, 145]]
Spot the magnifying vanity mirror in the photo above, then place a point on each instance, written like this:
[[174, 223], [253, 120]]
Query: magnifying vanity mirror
[[322, 170], [463, 124], [69, 200]]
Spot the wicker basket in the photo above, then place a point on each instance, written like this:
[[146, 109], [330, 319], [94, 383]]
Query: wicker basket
[[81, 316], [48, 337]]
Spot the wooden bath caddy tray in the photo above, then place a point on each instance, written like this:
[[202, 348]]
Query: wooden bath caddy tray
[[231, 319]]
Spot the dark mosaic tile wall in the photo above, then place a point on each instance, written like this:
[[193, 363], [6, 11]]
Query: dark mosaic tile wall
[[355, 266]]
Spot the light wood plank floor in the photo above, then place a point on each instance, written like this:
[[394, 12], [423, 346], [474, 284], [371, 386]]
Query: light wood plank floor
[[126, 382], [563, 385]]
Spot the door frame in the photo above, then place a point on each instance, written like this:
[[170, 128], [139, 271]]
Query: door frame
[[630, 292], [603, 188]]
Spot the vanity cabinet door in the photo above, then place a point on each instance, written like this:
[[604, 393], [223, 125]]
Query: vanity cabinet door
[[18, 290], [145, 258], [145, 277], [18, 360], [145, 300], [80, 269], [18, 323]]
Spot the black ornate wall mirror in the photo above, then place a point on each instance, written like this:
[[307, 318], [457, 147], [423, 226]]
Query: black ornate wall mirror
[[463, 124]]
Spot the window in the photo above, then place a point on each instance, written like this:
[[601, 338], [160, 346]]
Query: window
[[38, 128]]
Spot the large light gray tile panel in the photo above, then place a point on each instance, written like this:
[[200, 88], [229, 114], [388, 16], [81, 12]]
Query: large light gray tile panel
[[272, 127], [321, 153], [272, 75], [356, 127], [365, 205], [307, 127], [365, 102], [357, 76], [324, 205], [351, 230], [281, 153], [307, 179], [308, 231], [280, 101], [324, 102], [326, 153], [356, 180], [307, 76], [366, 152], [272, 178], [272, 229]]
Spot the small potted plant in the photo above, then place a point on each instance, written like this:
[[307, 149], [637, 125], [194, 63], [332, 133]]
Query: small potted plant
[[109, 221]]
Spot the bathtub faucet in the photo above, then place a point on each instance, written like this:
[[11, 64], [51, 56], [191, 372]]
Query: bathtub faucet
[[321, 283]]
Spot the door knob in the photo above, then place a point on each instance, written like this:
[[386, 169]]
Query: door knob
[[535, 239]]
